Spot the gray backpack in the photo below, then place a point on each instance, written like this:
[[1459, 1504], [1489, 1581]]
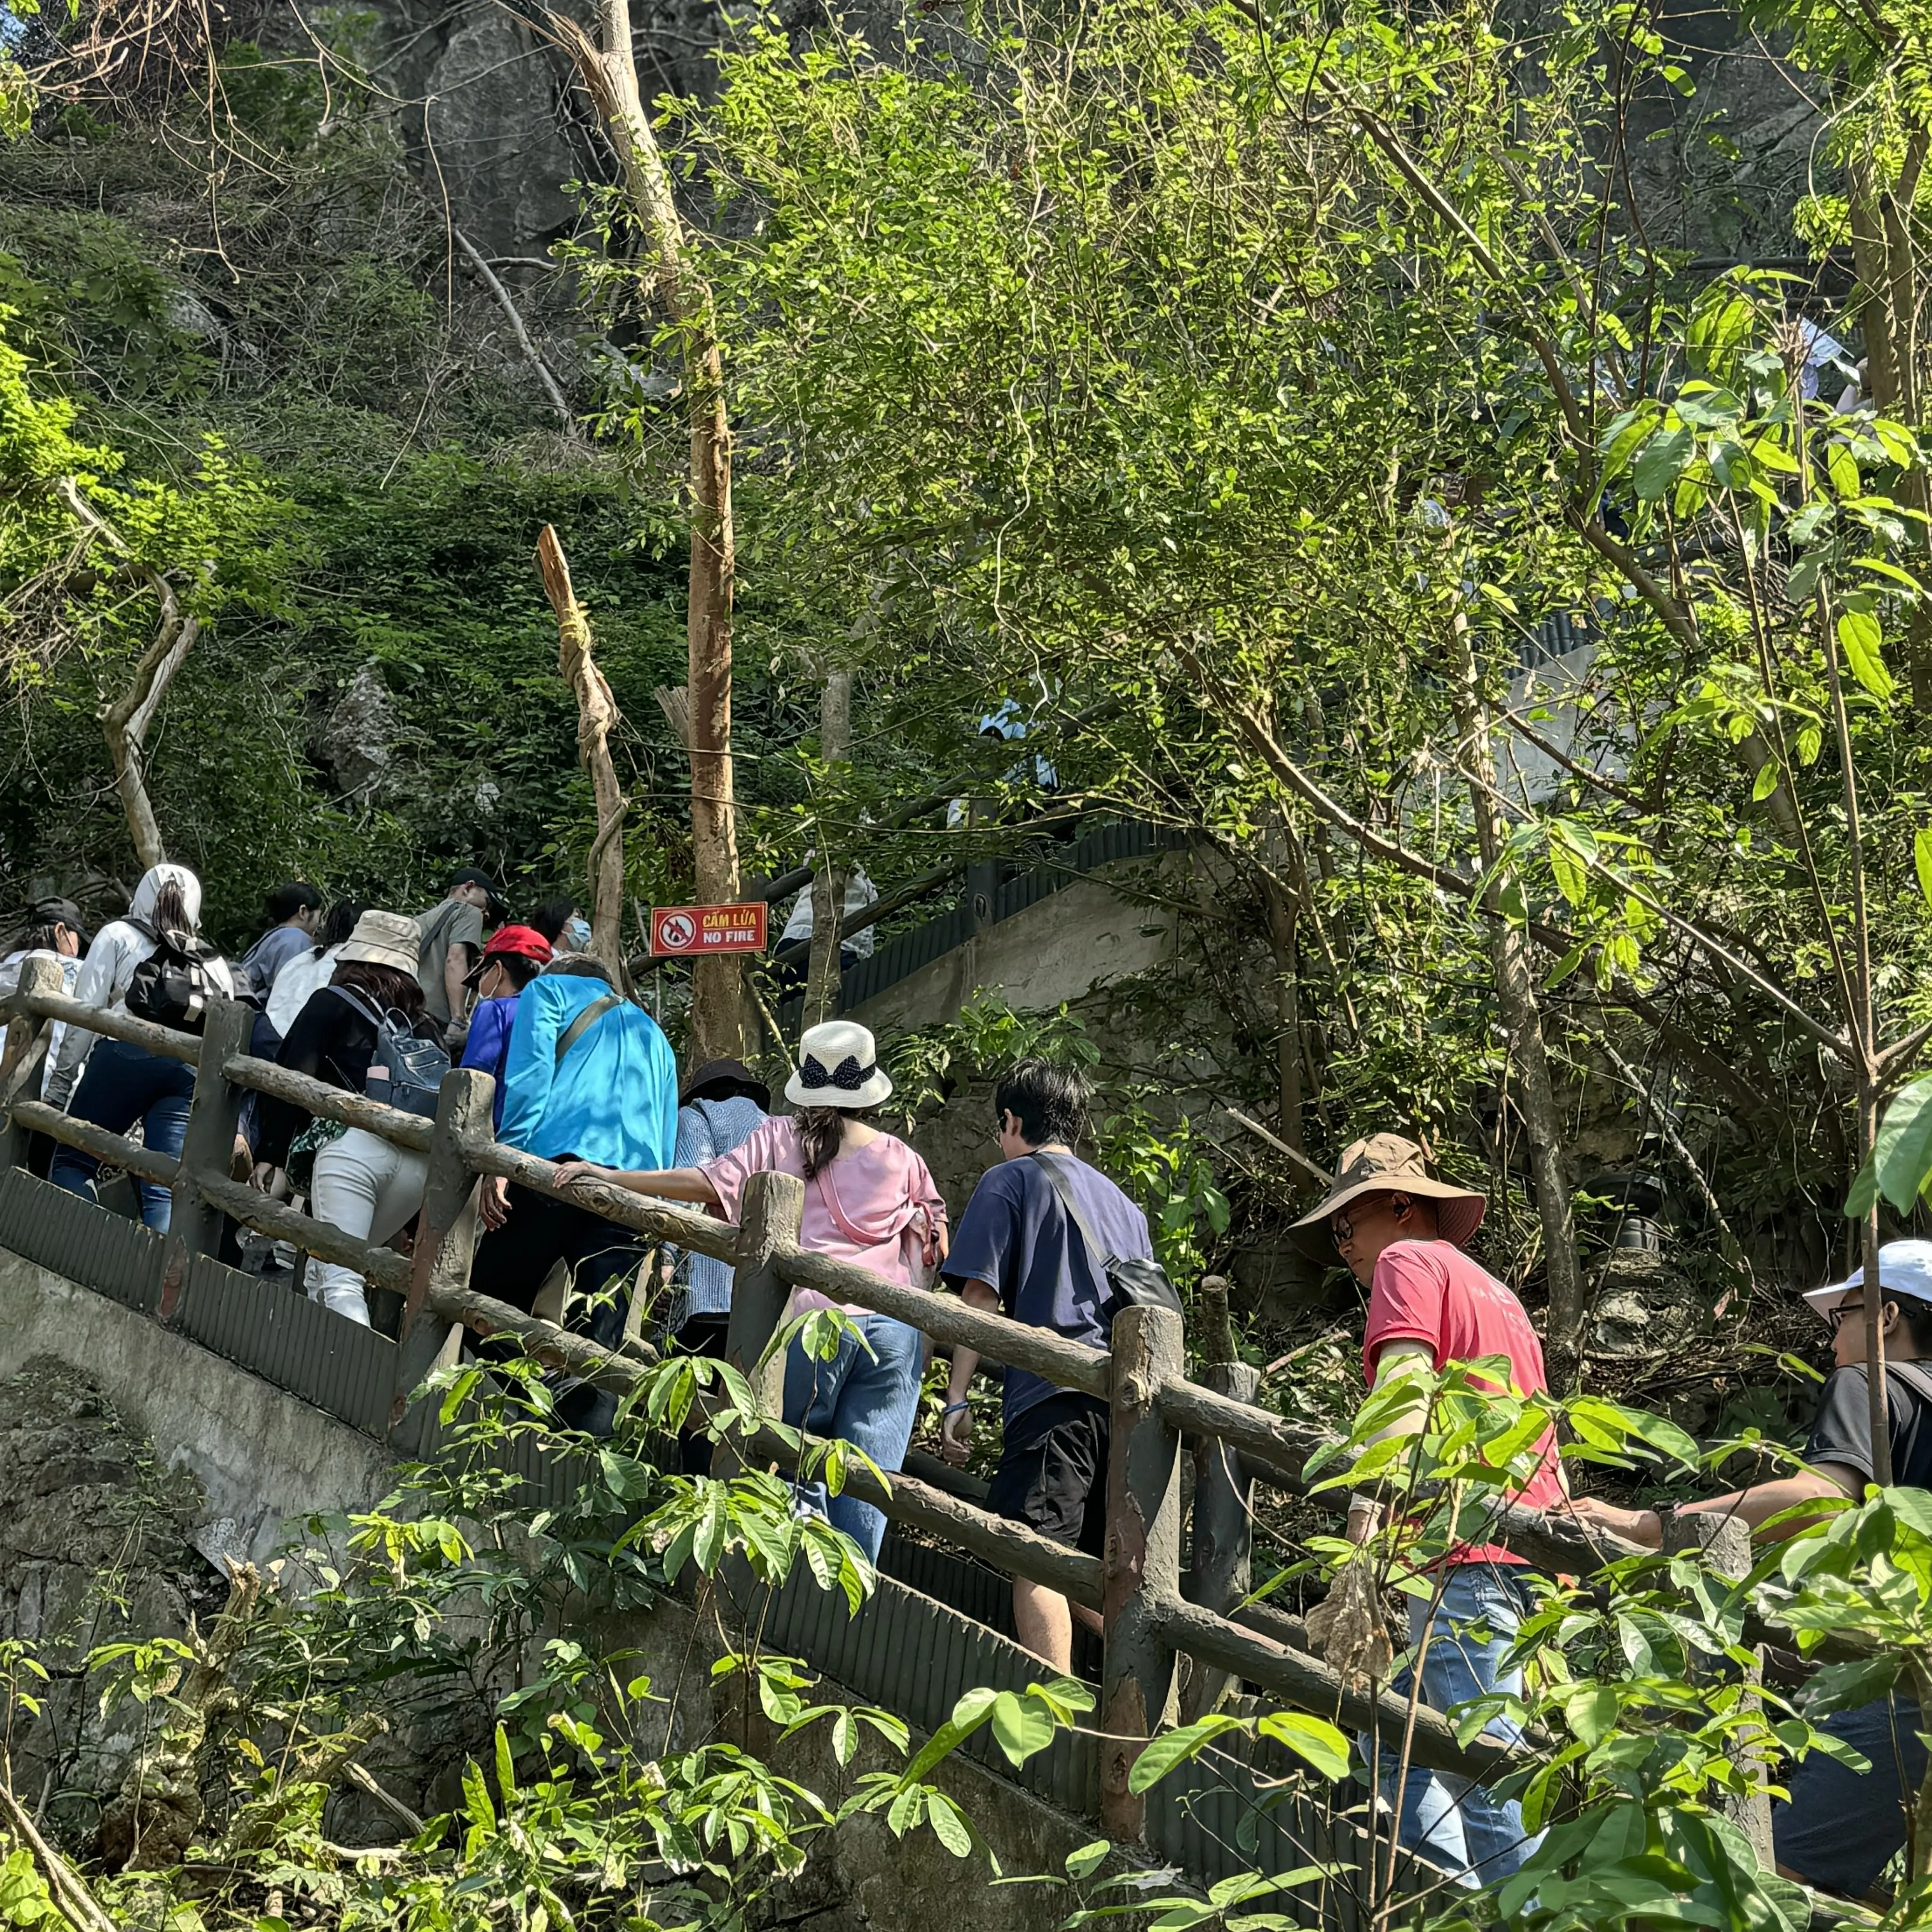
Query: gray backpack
[[406, 1071]]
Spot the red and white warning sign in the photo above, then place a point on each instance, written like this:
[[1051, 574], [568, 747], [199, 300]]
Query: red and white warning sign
[[684, 932]]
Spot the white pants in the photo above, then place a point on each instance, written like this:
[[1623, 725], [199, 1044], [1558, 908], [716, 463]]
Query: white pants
[[369, 1188]]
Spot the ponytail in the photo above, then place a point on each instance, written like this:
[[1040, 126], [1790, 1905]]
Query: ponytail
[[170, 912], [821, 1133]]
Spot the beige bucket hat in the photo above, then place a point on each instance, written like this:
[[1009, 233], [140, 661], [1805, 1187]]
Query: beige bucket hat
[[384, 939], [1388, 1164]]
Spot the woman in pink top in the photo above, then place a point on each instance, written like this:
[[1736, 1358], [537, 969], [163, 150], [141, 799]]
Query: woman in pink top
[[868, 1198]]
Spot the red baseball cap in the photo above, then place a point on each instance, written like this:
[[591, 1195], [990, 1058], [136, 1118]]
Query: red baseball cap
[[525, 941]]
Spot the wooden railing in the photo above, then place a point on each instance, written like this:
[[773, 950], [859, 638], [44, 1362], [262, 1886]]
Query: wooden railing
[[1155, 1610]]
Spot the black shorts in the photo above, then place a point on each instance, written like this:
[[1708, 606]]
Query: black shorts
[[1052, 1475]]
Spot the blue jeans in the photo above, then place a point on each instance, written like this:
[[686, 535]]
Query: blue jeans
[[867, 1400], [120, 1085], [1841, 1827], [1451, 1820]]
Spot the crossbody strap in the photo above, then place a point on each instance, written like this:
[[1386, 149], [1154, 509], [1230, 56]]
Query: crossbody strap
[[1102, 1257], [343, 993], [584, 1022], [1914, 1376]]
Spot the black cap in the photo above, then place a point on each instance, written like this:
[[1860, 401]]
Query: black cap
[[717, 1078], [52, 911], [470, 876]]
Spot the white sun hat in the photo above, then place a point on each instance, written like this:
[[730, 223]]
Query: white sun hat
[[1904, 1267], [838, 1067]]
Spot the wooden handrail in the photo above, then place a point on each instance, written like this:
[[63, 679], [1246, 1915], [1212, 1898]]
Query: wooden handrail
[[116, 1149], [1310, 1685], [328, 1103], [323, 1239], [163, 1040], [1155, 1405], [684, 1226], [946, 1318]]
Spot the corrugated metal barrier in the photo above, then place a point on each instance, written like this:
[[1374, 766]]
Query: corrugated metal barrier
[[68, 1234]]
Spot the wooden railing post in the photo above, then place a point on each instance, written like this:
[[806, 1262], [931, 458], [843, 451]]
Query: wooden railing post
[[1142, 1563], [1220, 1571], [194, 1222], [445, 1240], [1723, 1544], [20, 1069], [774, 1205]]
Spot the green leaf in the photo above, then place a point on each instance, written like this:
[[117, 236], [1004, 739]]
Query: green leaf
[[1861, 639], [1903, 1154], [1572, 880], [1842, 468], [24, 1897], [1768, 775], [476, 1803], [1921, 857], [506, 1773], [1666, 456], [1590, 1710], [1177, 1747], [1020, 1728], [1313, 1739], [1089, 1859], [949, 1824]]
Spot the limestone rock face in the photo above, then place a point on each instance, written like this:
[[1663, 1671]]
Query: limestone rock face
[[1641, 1305], [357, 741], [96, 1547], [490, 129]]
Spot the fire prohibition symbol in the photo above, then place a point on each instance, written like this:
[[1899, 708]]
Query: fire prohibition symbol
[[678, 932]]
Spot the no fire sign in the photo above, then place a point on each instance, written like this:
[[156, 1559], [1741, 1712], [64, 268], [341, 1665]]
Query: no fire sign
[[684, 932]]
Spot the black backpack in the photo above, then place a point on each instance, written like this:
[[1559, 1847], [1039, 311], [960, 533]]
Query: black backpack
[[171, 987], [1131, 1283]]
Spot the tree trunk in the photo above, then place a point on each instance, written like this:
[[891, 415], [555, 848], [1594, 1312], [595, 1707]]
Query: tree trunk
[[1885, 260], [1283, 917], [720, 1007], [828, 882], [125, 721], [154, 1818], [596, 712], [1516, 994]]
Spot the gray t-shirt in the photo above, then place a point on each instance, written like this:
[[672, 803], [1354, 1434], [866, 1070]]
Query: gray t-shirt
[[454, 922]]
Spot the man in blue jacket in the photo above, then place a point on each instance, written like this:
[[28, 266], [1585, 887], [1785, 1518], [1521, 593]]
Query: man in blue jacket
[[590, 1077]]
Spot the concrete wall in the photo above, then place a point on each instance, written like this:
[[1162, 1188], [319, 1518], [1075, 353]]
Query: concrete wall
[[1060, 948], [260, 1456]]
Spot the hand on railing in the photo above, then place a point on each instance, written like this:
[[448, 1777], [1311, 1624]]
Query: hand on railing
[[956, 1435], [492, 1201], [572, 1175]]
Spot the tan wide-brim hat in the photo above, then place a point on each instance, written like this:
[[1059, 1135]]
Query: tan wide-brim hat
[[1388, 1164], [384, 939], [838, 1066]]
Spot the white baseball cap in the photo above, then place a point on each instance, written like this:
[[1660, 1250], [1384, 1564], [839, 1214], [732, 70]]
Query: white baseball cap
[[1904, 1267]]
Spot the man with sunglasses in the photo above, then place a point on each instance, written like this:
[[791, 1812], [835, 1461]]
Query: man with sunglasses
[[1842, 1828], [1401, 1233]]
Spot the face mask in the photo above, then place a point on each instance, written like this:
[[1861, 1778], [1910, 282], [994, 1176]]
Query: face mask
[[576, 934]]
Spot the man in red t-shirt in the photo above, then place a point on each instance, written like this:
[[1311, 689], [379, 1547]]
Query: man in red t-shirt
[[1402, 1233]]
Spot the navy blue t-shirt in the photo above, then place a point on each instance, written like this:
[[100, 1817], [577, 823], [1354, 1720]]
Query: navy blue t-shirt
[[1015, 1236]]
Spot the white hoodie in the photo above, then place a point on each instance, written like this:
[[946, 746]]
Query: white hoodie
[[108, 970]]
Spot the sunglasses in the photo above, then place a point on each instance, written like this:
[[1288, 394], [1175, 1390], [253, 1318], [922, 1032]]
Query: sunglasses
[[1843, 1313]]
